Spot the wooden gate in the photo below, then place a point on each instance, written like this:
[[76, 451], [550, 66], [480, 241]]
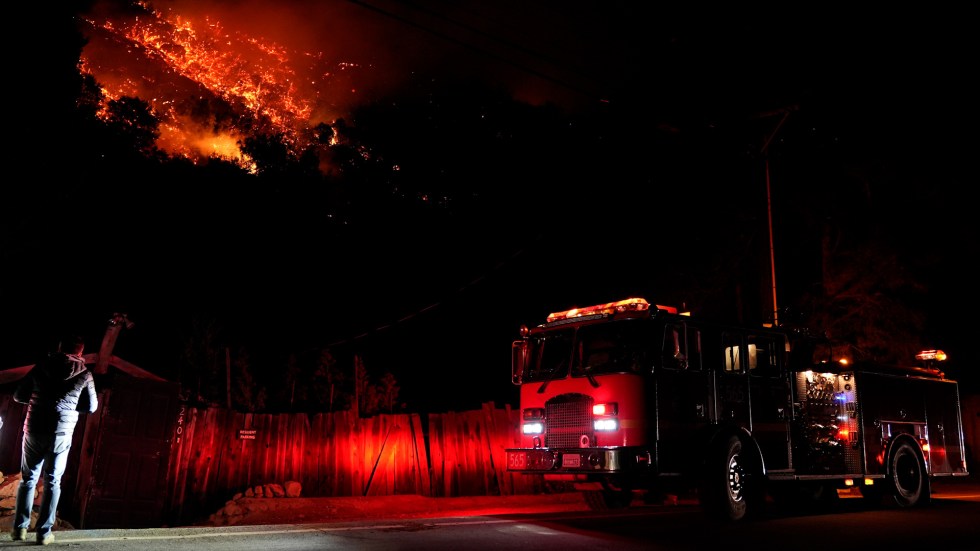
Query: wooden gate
[[122, 482]]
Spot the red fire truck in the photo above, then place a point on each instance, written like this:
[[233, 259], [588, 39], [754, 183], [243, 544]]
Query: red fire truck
[[631, 399]]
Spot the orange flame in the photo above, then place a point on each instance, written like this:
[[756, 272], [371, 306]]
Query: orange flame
[[209, 88]]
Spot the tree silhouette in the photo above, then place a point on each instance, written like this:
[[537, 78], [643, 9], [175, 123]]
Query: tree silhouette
[[330, 384], [869, 301], [290, 387], [387, 394], [200, 369], [135, 122], [247, 393]]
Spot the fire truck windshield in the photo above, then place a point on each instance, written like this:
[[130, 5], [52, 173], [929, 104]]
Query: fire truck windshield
[[550, 355], [618, 347]]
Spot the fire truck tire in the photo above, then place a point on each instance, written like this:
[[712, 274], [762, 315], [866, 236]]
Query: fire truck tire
[[907, 476], [731, 488]]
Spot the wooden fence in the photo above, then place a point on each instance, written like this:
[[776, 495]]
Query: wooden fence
[[219, 453]]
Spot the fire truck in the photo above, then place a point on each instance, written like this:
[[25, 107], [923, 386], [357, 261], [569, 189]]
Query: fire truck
[[632, 399]]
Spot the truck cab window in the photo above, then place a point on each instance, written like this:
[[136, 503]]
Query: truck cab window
[[732, 347], [674, 349], [765, 357], [551, 357]]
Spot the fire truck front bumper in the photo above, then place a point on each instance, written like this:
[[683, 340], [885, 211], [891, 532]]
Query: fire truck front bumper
[[578, 460]]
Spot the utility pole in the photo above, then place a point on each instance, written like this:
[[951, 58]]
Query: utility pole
[[785, 111], [116, 324]]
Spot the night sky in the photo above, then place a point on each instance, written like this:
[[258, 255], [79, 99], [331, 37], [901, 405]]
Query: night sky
[[502, 163]]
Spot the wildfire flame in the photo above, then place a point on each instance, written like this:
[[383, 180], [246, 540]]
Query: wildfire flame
[[210, 87]]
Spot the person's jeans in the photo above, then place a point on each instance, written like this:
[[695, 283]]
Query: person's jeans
[[51, 452]]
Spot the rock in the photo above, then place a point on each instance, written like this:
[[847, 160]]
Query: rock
[[7, 504], [232, 509], [9, 486], [242, 503]]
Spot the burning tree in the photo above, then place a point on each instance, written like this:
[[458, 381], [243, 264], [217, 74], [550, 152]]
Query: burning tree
[[212, 89]]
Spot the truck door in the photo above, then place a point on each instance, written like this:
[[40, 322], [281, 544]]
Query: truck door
[[771, 402], [947, 452], [683, 391], [733, 382]]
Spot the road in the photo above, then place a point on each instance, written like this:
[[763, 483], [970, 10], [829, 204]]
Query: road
[[950, 523]]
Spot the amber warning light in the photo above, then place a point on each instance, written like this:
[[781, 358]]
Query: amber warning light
[[627, 305], [931, 355]]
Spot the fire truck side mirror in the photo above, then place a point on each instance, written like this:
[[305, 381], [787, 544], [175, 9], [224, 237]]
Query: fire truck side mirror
[[518, 361]]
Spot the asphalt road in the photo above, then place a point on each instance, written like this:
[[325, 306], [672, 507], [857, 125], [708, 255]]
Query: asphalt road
[[560, 522]]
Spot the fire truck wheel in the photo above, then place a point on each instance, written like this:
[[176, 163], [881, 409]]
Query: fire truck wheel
[[732, 485], [906, 475]]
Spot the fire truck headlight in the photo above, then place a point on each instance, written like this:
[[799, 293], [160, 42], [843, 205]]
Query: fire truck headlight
[[605, 424], [533, 428]]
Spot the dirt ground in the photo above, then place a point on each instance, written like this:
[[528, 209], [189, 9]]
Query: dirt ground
[[280, 507], [288, 510]]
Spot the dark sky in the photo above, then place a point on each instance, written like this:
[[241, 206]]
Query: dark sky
[[881, 109]]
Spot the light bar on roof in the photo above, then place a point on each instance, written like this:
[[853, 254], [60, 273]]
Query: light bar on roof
[[926, 355], [627, 305]]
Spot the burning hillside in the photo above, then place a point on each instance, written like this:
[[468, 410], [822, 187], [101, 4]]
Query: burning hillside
[[211, 86]]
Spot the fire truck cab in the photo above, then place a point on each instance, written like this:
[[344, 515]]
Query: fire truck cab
[[630, 398]]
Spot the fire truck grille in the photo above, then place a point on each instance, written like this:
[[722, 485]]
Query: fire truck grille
[[569, 418]]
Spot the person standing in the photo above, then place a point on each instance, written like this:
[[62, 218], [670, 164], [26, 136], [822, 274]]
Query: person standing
[[56, 391]]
